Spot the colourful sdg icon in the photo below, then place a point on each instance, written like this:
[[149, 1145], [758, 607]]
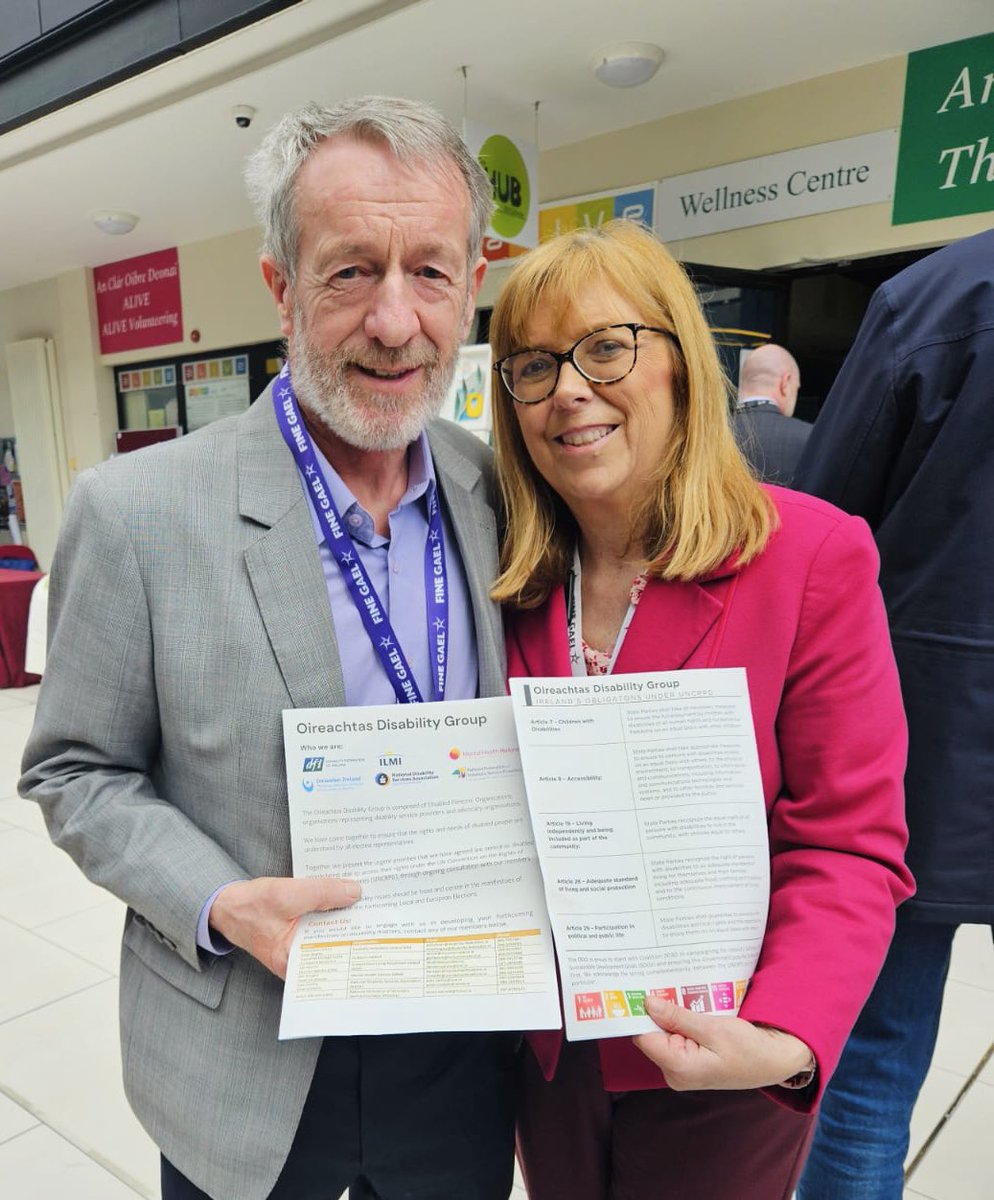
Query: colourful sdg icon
[[665, 993], [589, 1006], [636, 1002], [616, 1004], [723, 996], [455, 753], [696, 997]]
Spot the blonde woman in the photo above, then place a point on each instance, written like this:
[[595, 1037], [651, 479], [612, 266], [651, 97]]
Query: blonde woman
[[638, 540]]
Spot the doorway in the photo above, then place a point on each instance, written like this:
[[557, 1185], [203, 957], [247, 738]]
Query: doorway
[[815, 312]]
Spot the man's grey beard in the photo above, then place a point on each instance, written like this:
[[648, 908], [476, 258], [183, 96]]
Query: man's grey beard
[[367, 420]]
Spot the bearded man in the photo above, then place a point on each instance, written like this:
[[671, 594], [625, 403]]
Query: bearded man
[[198, 590]]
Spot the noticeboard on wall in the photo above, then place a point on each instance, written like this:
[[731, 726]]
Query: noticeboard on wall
[[215, 388], [191, 391]]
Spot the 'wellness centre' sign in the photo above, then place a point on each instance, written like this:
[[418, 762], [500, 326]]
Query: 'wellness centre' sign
[[777, 187]]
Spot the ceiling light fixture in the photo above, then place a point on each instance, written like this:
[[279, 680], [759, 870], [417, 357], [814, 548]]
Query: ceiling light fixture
[[115, 222], [627, 64]]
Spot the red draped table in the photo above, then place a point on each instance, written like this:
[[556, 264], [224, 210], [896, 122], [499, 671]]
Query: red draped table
[[15, 599]]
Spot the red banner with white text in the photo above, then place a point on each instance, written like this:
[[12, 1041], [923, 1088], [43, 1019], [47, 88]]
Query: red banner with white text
[[138, 302]]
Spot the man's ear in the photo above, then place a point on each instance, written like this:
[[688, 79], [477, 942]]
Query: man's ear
[[475, 280], [278, 284]]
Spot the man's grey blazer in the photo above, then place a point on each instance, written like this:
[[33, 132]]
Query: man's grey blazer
[[188, 607], [770, 441]]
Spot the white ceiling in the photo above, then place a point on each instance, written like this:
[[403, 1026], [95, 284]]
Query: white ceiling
[[165, 145]]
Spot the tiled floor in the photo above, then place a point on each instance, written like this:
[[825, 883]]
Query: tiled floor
[[66, 1132]]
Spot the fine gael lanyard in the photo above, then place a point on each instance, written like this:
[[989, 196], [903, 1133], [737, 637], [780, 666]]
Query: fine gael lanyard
[[357, 582], [574, 622]]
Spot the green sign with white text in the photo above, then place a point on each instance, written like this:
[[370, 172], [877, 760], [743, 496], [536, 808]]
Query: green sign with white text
[[945, 163]]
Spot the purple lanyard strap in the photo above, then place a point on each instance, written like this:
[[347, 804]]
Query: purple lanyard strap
[[360, 587]]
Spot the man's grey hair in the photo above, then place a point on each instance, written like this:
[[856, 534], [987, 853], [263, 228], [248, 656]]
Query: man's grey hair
[[412, 131]]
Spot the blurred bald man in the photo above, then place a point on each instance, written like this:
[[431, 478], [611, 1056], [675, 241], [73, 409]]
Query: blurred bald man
[[768, 433]]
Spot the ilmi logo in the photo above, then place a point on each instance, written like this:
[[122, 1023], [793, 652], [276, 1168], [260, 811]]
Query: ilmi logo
[[391, 760], [314, 764]]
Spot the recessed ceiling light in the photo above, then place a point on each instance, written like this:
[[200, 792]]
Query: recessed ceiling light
[[115, 222], [627, 64]]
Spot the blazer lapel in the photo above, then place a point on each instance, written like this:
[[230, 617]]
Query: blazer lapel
[[539, 639], [671, 621], [284, 566]]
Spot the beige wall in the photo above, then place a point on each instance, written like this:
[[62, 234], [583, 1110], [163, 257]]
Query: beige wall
[[848, 103], [27, 312], [87, 387], [225, 300], [223, 296]]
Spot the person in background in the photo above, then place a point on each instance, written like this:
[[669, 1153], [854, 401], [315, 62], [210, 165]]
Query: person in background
[[196, 593], [637, 540], [768, 433], [906, 441]]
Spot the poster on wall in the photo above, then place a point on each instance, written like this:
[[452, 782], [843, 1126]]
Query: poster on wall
[[945, 165], [149, 396], [469, 400], [589, 211], [10, 495], [138, 302], [215, 388]]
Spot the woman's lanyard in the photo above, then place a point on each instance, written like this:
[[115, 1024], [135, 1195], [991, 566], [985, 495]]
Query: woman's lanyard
[[357, 582], [574, 622]]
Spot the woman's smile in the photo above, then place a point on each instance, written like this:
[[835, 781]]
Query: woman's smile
[[585, 436]]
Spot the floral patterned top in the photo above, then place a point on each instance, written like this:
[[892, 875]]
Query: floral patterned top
[[598, 661]]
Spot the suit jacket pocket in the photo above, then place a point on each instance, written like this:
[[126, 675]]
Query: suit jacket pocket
[[206, 986]]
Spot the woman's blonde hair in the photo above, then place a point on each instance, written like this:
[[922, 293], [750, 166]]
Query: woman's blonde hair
[[702, 504]]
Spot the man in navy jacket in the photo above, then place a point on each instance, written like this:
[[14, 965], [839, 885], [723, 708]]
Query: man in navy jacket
[[906, 440]]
